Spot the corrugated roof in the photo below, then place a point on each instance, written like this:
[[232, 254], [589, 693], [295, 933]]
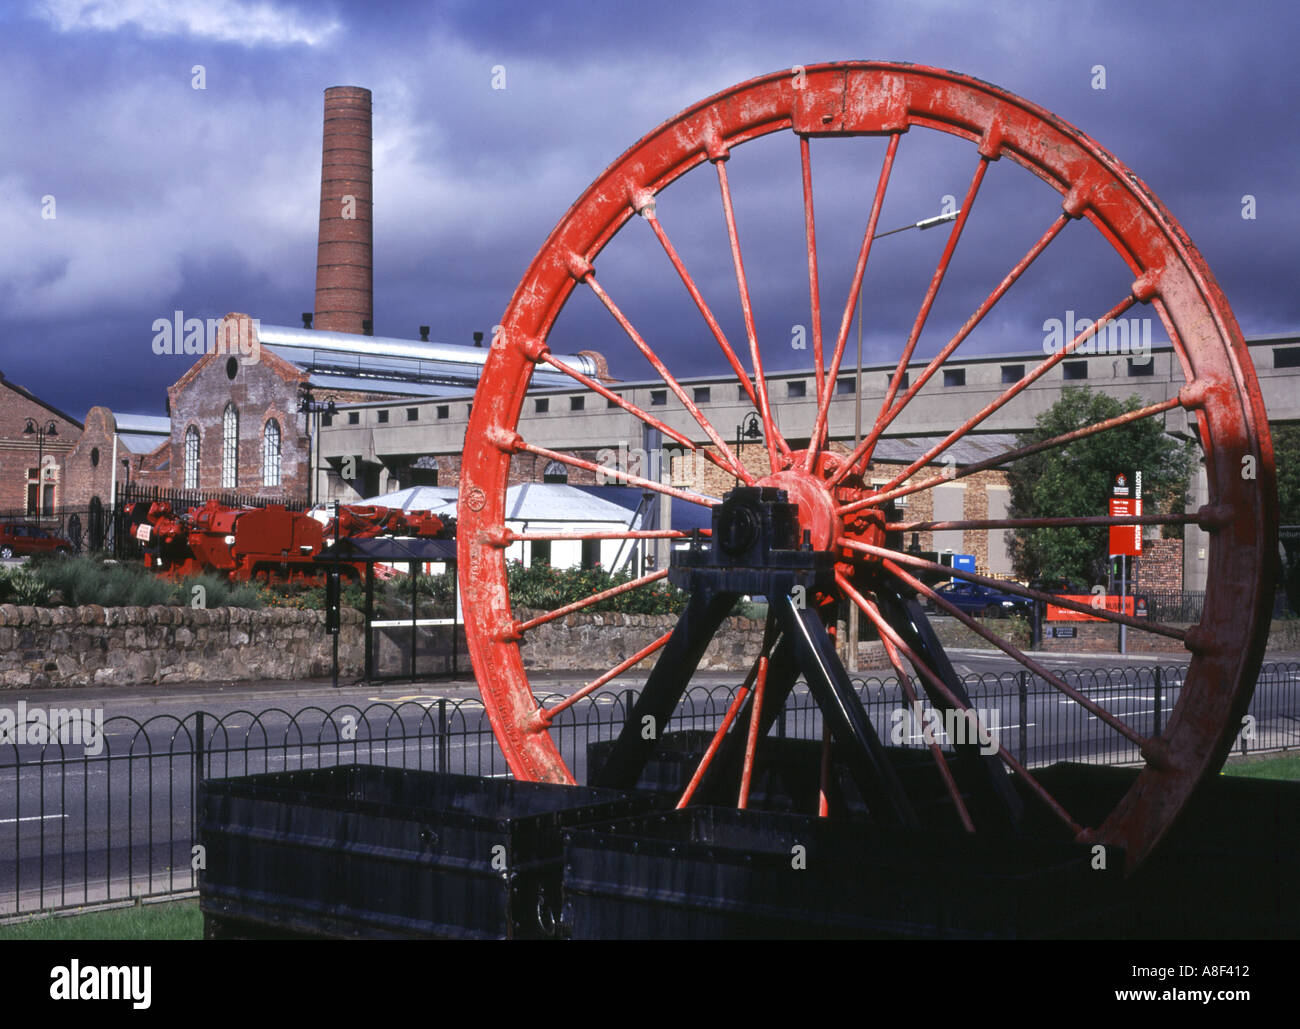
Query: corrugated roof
[[556, 502], [380, 348], [385, 365], [417, 498], [141, 442], [159, 424], [398, 387], [685, 515], [966, 450]]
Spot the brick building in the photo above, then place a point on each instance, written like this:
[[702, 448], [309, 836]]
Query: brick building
[[235, 424], [34, 437], [113, 449]]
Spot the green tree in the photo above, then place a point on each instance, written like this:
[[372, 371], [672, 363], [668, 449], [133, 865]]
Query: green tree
[[1286, 458], [1075, 480]]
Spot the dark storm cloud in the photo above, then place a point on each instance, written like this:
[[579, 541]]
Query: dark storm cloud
[[206, 200]]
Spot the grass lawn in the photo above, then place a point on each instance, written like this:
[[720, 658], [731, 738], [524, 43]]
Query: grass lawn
[[1286, 767], [179, 920]]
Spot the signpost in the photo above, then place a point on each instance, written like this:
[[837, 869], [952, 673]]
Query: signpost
[[1125, 540]]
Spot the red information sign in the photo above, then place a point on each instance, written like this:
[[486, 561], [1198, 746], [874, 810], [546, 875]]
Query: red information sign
[[1108, 602], [1125, 501]]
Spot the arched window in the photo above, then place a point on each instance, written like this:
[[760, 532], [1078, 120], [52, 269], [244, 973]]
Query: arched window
[[271, 454], [230, 448], [556, 471], [191, 458]]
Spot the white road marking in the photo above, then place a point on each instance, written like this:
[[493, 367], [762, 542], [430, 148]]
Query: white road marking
[[29, 818]]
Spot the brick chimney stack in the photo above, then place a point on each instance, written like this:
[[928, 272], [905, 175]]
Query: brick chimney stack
[[344, 262]]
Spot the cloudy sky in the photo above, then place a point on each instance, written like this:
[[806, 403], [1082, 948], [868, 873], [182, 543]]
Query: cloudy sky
[[169, 197]]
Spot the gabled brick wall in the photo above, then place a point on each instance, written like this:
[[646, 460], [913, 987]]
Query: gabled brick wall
[[19, 452], [260, 390]]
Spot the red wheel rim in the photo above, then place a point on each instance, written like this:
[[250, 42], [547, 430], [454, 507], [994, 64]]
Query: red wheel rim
[[875, 98]]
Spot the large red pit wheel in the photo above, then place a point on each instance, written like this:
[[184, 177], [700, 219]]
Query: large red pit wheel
[[822, 527]]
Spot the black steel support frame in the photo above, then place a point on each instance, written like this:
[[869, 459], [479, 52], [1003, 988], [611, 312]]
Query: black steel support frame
[[905, 616]]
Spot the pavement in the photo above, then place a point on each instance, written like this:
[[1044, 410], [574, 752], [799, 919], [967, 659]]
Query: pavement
[[466, 686]]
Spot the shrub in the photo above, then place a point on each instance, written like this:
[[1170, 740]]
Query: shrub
[[87, 580], [91, 580], [301, 597], [540, 586], [218, 592], [18, 586]]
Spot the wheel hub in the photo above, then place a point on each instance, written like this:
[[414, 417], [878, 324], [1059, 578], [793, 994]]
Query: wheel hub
[[819, 503]]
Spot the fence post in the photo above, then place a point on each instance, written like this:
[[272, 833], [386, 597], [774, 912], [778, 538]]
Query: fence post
[[1022, 688], [199, 729], [1158, 714], [629, 702], [442, 734]]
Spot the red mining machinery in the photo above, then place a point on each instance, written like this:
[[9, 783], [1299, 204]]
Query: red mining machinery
[[267, 543]]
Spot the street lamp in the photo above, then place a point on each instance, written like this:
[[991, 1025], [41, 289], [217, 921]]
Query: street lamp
[[40, 432], [923, 224], [750, 428]]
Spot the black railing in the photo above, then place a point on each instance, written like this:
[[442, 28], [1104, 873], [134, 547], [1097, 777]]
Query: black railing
[[87, 528], [78, 828], [1172, 606]]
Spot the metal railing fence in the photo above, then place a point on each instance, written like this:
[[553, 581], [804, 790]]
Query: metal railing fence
[[78, 828]]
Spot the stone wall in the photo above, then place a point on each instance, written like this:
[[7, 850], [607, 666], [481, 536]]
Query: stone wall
[[121, 646], [1103, 638], [599, 642]]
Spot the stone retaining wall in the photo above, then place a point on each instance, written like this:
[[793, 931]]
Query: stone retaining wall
[[125, 646], [121, 646], [601, 641]]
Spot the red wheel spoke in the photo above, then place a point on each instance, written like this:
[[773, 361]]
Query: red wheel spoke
[[1038, 372], [1063, 522], [1011, 650], [546, 715], [865, 448], [703, 306], [733, 464], [1021, 591], [751, 742], [950, 784], [595, 598], [518, 444], [738, 702], [613, 534], [886, 630], [1014, 455], [770, 434], [824, 776], [632, 409], [817, 440], [814, 289], [936, 280]]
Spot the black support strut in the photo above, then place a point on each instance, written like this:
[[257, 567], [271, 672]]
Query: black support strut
[[848, 720], [664, 688]]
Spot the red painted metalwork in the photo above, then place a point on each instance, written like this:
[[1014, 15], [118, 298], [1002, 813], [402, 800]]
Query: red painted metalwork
[[835, 507], [270, 543], [751, 741]]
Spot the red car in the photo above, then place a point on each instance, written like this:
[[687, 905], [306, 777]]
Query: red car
[[17, 539]]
